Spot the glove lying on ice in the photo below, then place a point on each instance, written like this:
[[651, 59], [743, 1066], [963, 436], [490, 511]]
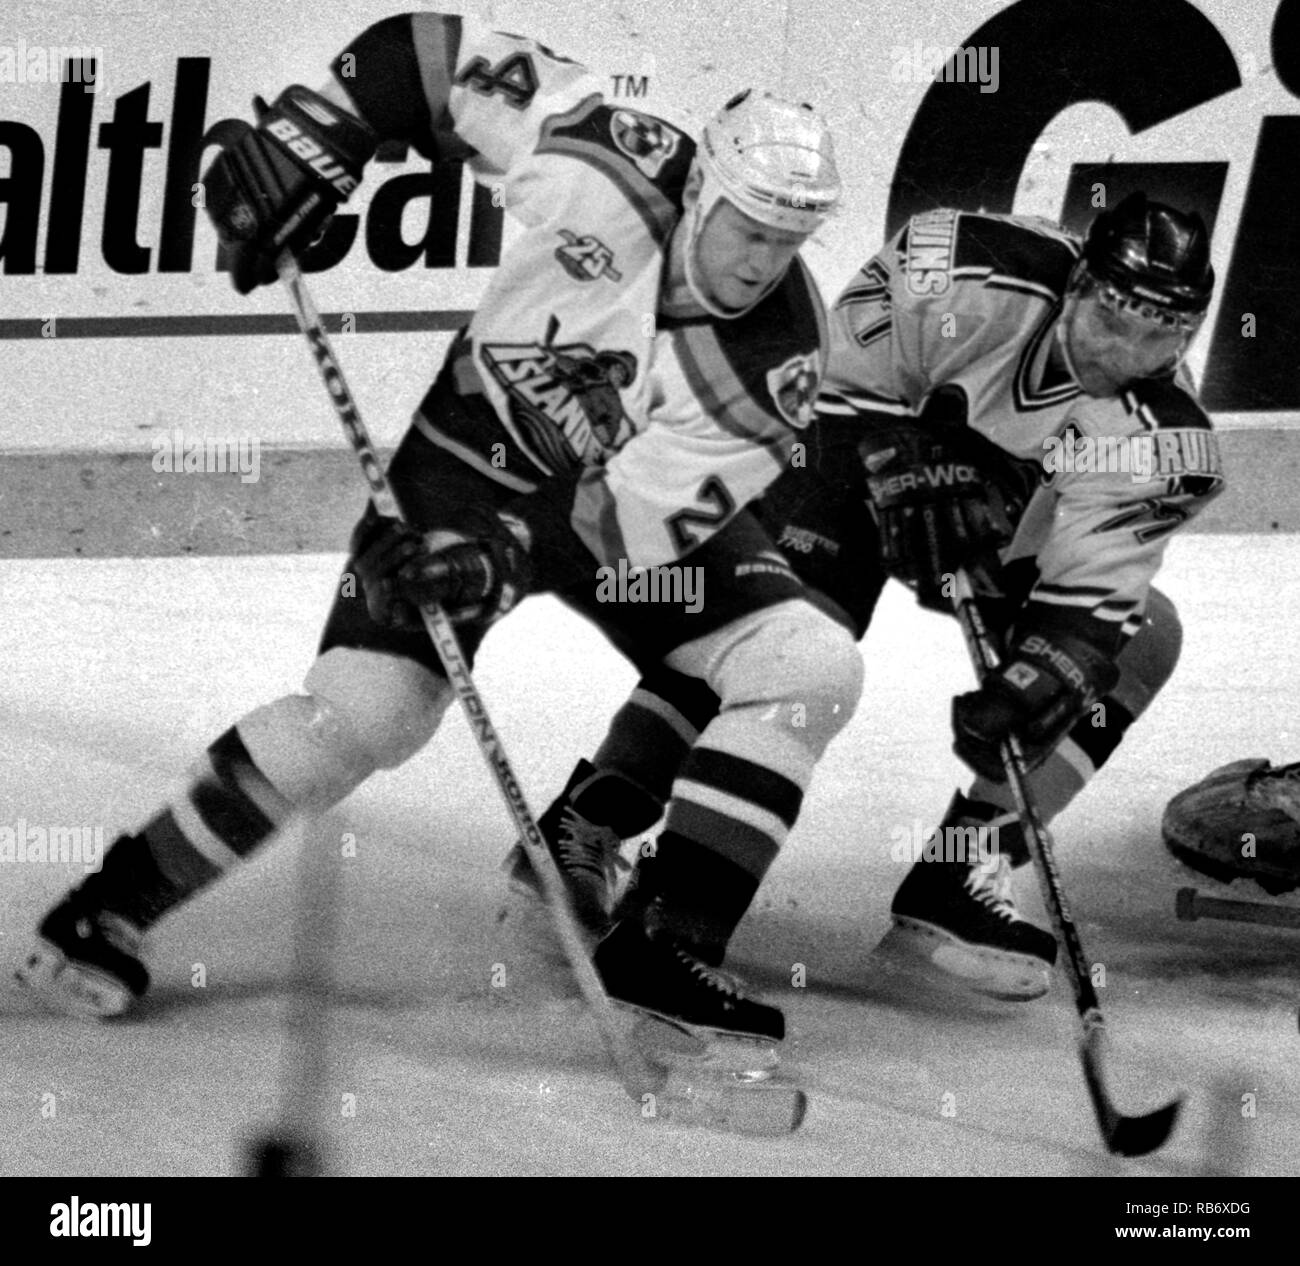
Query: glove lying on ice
[[943, 497], [276, 185], [477, 574], [1048, 680]]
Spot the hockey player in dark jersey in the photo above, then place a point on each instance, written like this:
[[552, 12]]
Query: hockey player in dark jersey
[[1003, 398], [639, 369]]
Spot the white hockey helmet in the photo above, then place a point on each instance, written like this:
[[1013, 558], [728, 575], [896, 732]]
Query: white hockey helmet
[[771, 158]]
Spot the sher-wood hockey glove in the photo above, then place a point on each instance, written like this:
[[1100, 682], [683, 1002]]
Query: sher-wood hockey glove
[[943, 497], [475, 574], [277, 184], [1048, 680]]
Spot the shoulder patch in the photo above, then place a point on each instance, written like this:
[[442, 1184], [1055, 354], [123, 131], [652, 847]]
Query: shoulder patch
[[645, 157], [649, 142], [794, 388]]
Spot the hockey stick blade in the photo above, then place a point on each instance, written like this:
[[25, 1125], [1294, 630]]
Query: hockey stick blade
[[1123, 1135], [721, 1086], [764, 1109]]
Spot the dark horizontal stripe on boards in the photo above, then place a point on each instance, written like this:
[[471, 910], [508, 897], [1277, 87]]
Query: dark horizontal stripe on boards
[[205, 326], [96, 504]]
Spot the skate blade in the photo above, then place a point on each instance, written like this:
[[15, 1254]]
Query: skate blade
[[70, 988], [991, 973], [698, 1052]]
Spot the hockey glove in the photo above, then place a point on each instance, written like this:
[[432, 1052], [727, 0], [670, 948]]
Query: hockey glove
[[276, 185], [474, 575], [1049, 679], [943, 497]]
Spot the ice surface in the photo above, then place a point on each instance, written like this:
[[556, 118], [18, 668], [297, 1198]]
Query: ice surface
[[117, 672]]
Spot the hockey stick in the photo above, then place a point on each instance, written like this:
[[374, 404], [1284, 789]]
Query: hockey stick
[[1123, 1135], [762, 1108], [1191, 905]]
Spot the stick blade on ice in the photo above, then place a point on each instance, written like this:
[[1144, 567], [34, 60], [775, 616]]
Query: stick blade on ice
[[1123, 1135], [765, 1109]]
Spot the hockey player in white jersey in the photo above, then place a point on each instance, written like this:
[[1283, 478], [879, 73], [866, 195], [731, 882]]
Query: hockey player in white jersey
[[639, 369], [1003, 397]]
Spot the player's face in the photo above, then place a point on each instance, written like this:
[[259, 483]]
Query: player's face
[[738, 258], [1110, 347]]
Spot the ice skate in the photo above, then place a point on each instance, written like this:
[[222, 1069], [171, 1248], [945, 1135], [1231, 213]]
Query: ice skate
[[581, 831], [960, 917], [86, 961], [690, 1013]]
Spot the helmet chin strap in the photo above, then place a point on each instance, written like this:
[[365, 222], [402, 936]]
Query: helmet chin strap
[[704, 204]]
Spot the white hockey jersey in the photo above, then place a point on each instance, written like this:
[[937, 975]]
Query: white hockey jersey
[[658, 430], [955, 317]]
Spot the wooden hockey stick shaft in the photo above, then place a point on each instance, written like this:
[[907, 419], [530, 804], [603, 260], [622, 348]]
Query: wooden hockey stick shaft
[[638, 1076], [1192, 905], [1124, 1135], [772, 1109]]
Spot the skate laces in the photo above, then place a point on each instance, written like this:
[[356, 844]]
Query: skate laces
[[584, 846], [989, 883], [723, 982]]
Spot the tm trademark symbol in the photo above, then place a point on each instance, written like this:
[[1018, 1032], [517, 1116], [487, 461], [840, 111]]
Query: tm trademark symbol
[[631, 85]]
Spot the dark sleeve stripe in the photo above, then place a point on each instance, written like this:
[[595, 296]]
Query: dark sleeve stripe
[[812, 298], [437, 45], [385, 82], [1013, 252], [594, 517], [1161, 403], [1094, 590], [864, 338], [723, 396]]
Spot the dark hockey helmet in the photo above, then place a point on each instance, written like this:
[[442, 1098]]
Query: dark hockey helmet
[[1148, 258]]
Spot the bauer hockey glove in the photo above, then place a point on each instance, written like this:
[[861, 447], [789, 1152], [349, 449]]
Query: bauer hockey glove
[[1048, 680], [477, 574], [943, 497], [277, 184]]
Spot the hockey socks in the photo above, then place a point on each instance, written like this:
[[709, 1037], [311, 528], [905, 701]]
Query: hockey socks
[[223, 816]]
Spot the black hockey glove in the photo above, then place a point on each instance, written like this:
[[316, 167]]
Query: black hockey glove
[[1047, 682], [478, 574], [943, 497], [278, 184]]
